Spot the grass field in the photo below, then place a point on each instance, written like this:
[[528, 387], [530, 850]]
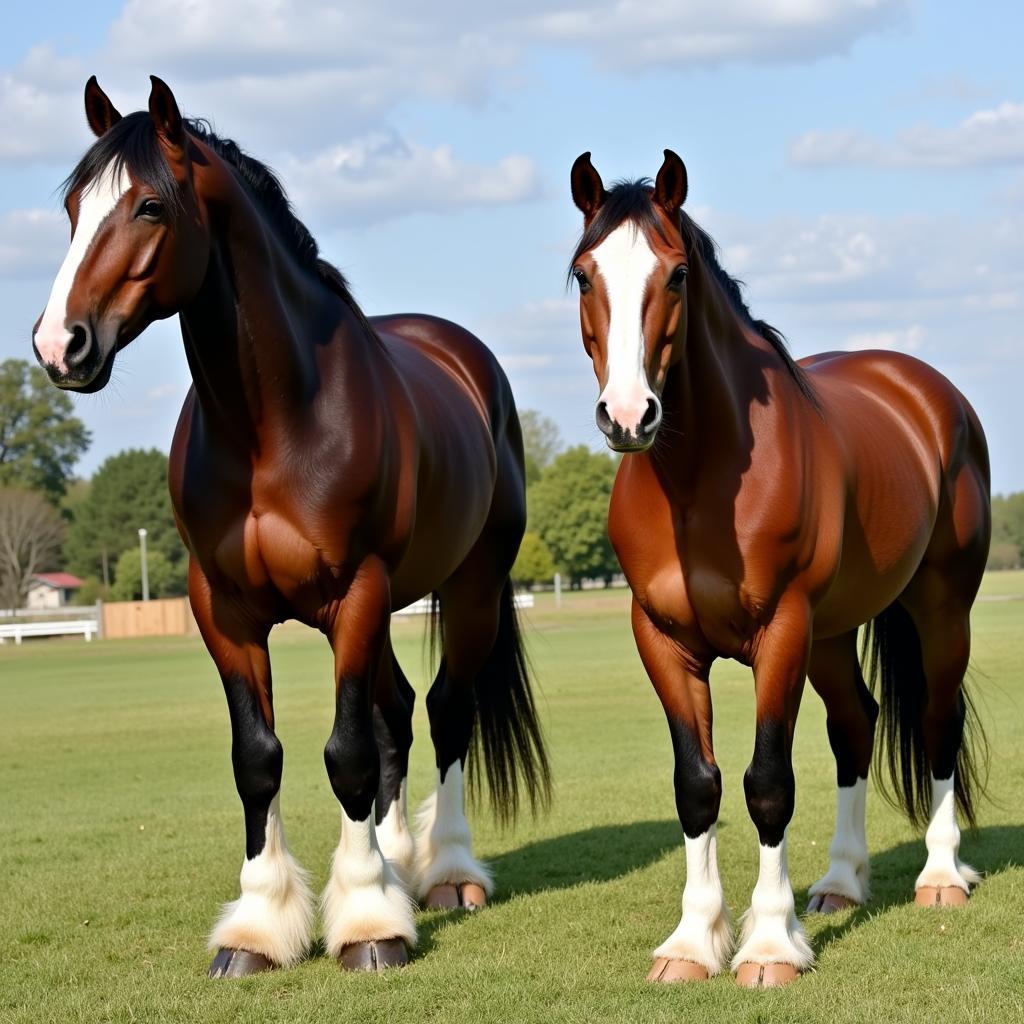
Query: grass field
[[122, 834]]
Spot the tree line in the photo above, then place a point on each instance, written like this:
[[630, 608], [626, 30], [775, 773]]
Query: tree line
[[50, 520]]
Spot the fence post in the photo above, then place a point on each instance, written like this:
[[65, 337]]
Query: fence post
[[99, 619], [558, 590]]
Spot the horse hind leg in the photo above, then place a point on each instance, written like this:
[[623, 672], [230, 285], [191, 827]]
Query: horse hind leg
[[945, 652], [447, 873], [851, 711], [394, 699]]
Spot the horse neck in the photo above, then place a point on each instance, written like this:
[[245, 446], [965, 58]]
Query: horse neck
[[252, 330], [725, 368]]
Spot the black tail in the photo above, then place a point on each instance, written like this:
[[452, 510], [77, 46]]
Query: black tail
[[891, 656], [508, 745]]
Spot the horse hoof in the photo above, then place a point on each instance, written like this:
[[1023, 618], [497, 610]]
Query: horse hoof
[[667, 971], [469, 896], [751, 975], [829, 903], [238, 963], [473, 896], [376, 955], [940, 896]]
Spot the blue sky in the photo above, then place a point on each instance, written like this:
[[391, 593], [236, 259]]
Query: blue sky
[[860, 162]]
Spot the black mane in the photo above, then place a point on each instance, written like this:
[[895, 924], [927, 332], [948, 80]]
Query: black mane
[[631, 200], [132, 145]]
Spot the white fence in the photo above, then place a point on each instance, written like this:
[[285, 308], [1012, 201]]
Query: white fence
[[17, 631], [422, 607], [70, 611]]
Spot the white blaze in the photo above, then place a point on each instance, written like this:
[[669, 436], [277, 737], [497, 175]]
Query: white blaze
[[626, 261], [97, 202]]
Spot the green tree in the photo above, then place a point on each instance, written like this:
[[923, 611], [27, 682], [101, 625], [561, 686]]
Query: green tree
[[40, 438], [128, 491], [1003, 555], [568, 508], [165, 579], [541, 442], [1008, 520], [534, 563]]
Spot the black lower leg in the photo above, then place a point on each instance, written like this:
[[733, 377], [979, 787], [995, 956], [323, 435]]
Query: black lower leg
[[451, 706], [851, 734], [698, 782], [257, 758], [769, 784], [944, 733], [392, 727], [351, 757]]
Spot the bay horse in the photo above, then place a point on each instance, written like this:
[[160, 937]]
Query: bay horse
[[328, 468], [764, 510]]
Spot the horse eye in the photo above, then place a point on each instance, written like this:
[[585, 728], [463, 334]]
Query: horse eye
[[151, 209], [675, 282], [581, 280]]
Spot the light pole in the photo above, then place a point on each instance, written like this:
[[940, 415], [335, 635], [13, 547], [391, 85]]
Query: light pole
[[145, 573]]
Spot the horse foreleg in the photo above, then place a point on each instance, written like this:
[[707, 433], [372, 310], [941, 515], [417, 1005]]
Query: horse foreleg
[[269, 924], [699, 946], [392, 721], [773, 948], [368, 917]]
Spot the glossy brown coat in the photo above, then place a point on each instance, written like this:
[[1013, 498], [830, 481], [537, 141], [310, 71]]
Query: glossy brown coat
[[773, 509]]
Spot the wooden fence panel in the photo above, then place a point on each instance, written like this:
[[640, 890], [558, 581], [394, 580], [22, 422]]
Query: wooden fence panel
[[170, 616]]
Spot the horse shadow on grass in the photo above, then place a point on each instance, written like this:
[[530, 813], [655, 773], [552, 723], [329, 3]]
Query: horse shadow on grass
[[599, 854], [989, 850], [607, 852]]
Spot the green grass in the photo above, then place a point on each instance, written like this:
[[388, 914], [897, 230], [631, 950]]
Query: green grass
[[122, 834]]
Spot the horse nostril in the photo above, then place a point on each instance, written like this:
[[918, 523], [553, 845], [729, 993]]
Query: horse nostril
[[652, 417], [79, 346], [604, 421]]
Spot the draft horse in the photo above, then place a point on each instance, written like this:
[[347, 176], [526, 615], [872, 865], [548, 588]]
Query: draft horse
[[329, 468], [764, 509]]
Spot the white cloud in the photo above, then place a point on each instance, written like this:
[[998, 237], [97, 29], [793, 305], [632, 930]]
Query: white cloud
[[987, 137], [298, 73], [907, 339], [635, 34], [380, 176], [32, 242]]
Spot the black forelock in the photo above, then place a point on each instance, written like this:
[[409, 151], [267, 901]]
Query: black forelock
[[132, 145], [633, 201], [129, 145]]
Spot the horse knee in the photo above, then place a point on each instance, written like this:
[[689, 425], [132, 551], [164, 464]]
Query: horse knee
[[769, 785], [698, 796], [698, 782], [351, 756], [257, 759], [451, 707]]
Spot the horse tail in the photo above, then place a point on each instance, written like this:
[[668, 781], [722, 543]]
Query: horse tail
[[508, 743], [891, 656]]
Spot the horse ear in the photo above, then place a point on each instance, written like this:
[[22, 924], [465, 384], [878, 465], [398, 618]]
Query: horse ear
[[99, 111], [670, 185], [587, 188], [163, 109]]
